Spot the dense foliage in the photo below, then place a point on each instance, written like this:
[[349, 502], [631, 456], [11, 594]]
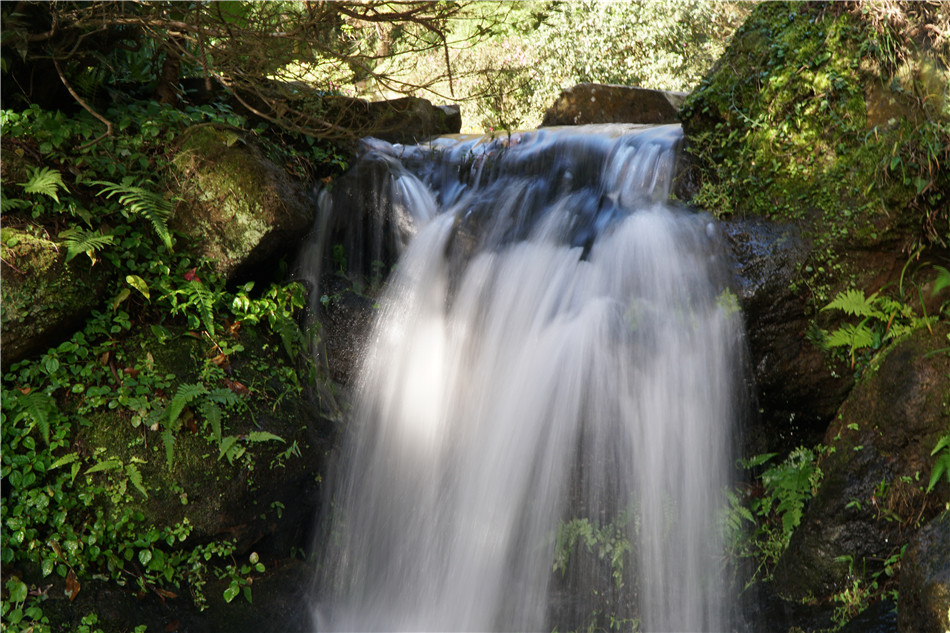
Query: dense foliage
[[293, 63], [279, 60], [538, 49], [842, 125], [172, 374]]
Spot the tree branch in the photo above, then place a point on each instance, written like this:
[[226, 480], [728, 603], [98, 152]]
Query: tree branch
[[85, 106]]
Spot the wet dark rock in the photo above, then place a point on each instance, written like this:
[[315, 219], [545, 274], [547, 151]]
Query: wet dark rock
[[925, 580], [875, 471], [797, 391], [347, 317], [604, 103], [880, 617]]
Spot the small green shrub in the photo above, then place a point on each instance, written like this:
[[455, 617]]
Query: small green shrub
[[760, 519]]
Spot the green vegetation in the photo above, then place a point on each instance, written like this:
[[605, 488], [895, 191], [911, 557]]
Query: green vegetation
[[606, 548], [761, 518], [115, 441], [883, 318], [835, 117], [533, 51]]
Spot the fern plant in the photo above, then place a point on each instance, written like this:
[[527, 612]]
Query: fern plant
[[12, 204], [141, 202], [79, 241], [882, 319], [38, 407], [45, 181]]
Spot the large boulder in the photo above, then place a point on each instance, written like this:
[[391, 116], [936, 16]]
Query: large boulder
[[240, 208], [44, 297], [301, 107], [834, 117], [925, 580], [605, 103], [407, 120], [797, 389], [875, 471]]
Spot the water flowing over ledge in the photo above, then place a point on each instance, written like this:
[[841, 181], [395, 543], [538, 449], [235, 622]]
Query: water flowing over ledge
[[543, 420]]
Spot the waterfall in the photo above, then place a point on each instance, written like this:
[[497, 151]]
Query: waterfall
[[542, 425]]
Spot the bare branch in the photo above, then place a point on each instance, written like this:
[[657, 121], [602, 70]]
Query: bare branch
[[85, 106]]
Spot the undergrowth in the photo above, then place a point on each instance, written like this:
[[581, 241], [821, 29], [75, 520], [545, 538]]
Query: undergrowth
[[100, 430]]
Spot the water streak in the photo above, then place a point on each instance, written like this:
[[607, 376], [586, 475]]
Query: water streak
[[557, 347]]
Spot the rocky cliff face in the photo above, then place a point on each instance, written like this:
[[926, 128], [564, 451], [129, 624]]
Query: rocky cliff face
[[825, 128]]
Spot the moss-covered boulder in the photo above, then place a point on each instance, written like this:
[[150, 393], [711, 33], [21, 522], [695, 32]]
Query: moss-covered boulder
[[834, 116], [241, 208], [44, 297], [875, 472]]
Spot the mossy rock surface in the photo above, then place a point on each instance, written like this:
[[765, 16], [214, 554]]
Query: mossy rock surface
[[872, 496], [44, 297], [241, 209], [829, 116]]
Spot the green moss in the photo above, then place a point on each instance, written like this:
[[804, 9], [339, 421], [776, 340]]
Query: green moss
[[41, 293], [233, 191], [788, 126]]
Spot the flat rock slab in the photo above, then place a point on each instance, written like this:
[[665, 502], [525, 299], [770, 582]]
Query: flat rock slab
[[607, 103]]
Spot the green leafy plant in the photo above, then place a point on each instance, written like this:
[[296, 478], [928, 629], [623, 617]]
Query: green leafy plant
[[142, 202], [881, 319], [79, 241], [608, 542], [865, 589], [241, 578], [44, 180], [941, 466], [759, 523]]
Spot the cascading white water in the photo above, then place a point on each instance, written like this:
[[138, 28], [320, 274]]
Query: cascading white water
[[557, 346]]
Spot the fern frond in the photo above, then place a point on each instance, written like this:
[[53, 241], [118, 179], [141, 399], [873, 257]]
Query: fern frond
[[37, 406], [854, 302], [264, 436], [224, 397], [168, 439], [144, 203], [46, 181], [109, 464], [135, 476], [12, 204], [185, 394], [851, 336], [205, 304], [79, 241], [212, 413]]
